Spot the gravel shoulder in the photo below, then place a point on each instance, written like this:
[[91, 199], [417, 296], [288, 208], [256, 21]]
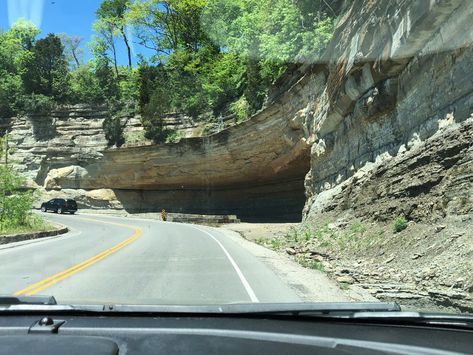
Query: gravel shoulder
[[425, 267], [255, 231], [310, 285]]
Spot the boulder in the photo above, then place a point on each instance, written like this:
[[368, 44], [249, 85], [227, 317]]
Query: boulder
[[69, 177]]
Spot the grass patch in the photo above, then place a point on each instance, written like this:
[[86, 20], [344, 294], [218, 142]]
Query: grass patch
[[278, 243], [272, 243], [344, 286], [33, 223], [307, 234], [174, 136], [260, 240], [135, 137], [354, 238], [310, 264], [400, 223]]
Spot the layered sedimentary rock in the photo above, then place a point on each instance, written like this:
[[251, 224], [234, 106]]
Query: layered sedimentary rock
[[68, 136], [255, 169], [395, 73], [401, 72]]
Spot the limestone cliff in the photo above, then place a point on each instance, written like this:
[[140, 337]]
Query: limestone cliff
[[395, 73], [399, 72]]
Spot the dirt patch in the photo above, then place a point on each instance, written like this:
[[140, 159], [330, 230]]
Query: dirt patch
[[256, 231]]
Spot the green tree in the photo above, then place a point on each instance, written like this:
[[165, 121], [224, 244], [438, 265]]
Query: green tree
[[15, 45], [223, 81], [86, 86], [25, 33], [255, 87], [112, 13], [220, 56], [147, 77], [167, 26], [10, 92], [104, 42], [15, 202], [155, 100], [47, 72], [281, 31], [129, 87], [72, 50], [113, 131], [103, 71]]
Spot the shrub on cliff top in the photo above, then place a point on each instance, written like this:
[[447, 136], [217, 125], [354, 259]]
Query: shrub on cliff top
[[37, 104], [113, 130]]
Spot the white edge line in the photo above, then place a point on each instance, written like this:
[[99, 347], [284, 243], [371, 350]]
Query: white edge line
[[237, 269], [242, 277]]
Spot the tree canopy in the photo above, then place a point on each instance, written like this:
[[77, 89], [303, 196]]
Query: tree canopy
[[204, 58]]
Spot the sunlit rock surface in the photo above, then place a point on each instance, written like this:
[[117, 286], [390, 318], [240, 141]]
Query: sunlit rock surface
[[400, 72], [394, 75]]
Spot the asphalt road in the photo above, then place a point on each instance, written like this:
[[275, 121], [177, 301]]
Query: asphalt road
[[129, 261]]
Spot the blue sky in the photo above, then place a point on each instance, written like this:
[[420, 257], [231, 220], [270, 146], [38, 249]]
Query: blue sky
[[74, 17]]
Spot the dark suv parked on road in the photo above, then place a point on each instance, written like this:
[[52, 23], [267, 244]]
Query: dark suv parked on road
[[60, 205]]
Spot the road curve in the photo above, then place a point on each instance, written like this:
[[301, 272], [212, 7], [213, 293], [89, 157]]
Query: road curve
[[129, 261]]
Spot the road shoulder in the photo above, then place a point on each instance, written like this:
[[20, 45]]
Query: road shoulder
[[310, 285]]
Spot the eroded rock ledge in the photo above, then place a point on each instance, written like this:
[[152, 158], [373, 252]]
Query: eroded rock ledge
[[400, 72], [254, 170], [393, 75]]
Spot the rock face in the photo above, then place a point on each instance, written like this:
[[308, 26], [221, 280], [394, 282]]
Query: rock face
[[72, 136], [254, 170], [395, 73], [430, 181], [401, 72]]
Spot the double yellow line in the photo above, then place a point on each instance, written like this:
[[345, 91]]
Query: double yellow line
[[54, 279]]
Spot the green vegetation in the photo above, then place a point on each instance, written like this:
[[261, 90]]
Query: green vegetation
[[310, 263], [205, 59], [173, 136], [307, 241], [312, 243], [15, 202], [33, 223], [137, 137], [241, 109], [113, 130], [46, 72], [400, 223]]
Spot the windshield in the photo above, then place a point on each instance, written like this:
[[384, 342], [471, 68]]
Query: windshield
[[214, 152]]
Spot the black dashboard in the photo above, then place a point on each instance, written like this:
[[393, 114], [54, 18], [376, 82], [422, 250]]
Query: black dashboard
[[220, 334]]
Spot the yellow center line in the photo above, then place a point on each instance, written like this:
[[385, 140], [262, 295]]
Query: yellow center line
[[54, 279]]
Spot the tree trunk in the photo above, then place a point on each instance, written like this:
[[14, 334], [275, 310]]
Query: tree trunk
[[114, 57], [125, 39], [74, 55]]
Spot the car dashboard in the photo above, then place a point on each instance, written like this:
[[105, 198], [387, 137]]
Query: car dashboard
[[220, 334]]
